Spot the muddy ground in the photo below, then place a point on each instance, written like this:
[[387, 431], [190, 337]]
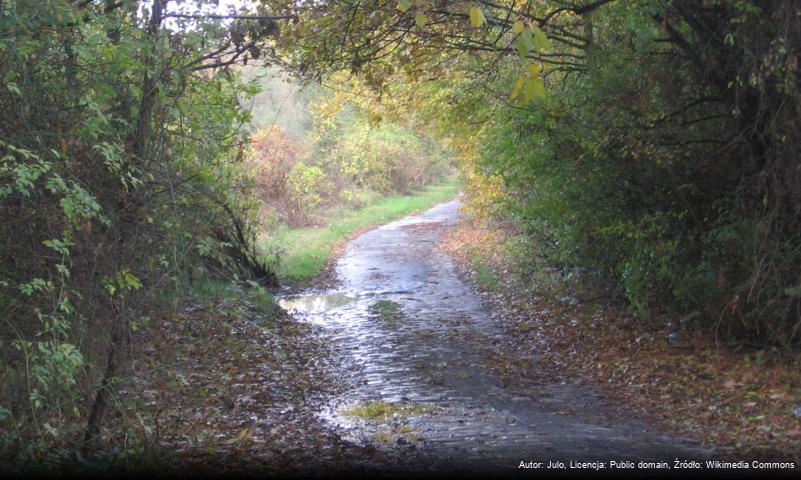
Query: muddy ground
[[417, 351], [394, 363]]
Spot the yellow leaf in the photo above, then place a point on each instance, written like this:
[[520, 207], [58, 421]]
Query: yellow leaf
[[244, 434], [533, 70], [403, 5], [421, 19], [476, 17], [539, 87], [517, 27], [518, 87], [534, 88]]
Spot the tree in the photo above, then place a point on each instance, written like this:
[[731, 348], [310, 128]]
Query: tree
[[118, 181], [649, 139]]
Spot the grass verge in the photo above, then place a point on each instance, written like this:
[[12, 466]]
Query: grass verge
[[306, 250]]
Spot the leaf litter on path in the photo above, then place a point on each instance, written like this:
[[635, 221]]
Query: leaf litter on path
[[740, 403]]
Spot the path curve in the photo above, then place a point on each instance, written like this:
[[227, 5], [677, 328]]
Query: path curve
[[413, 339]]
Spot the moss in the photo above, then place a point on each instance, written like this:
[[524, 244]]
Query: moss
[[387, 311], [384, 410], [393, 434]]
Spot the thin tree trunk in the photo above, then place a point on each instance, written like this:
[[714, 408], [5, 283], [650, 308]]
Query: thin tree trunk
[[101, 400], [140, 141], [149, 84]]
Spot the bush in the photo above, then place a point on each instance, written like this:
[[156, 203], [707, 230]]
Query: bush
[[345, 159], [387, 159], [274, 155], [118, 186], [304, 187], [671, 174]]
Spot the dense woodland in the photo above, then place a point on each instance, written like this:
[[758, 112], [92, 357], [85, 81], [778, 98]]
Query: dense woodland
[[650, 144]]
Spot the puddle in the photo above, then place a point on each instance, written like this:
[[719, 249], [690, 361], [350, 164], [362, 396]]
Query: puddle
[[412, 342], [316, 303]]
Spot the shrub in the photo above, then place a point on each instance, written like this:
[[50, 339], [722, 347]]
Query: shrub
[[120, 182], [304, 184], [274, 154]]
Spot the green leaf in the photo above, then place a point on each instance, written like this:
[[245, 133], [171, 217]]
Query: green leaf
[[518, 27], [793, 291], [404, 5], [528, 39], [421, 19], [13, 88], [63, 270], [540, 40], [476, 17], [131, 281], [522, 50]]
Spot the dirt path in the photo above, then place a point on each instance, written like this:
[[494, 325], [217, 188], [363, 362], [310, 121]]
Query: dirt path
[[413, 346]]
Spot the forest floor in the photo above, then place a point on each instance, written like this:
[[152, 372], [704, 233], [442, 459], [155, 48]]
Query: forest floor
[[745, 403], [232, 388]]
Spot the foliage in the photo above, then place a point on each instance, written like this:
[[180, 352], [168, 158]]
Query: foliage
[[669, 192], [650, 140], [274, 155], [359, 150], [119, 182], [304, 186], [345, 159], [281, 101]]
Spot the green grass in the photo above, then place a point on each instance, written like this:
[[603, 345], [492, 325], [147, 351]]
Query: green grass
[[484, 276], [306, 250], [385, 309]]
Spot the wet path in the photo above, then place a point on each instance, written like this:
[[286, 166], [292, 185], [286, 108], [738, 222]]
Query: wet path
[[413, 344]]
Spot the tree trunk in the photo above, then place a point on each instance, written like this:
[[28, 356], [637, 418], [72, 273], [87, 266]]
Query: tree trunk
[[139, 147], [101, 400]]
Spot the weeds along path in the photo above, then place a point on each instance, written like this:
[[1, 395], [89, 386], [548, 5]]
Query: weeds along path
[[413, 346]]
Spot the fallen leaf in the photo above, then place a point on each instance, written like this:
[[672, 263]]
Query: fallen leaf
[[731, 384]]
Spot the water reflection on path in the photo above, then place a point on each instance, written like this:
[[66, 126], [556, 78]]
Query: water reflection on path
[[431, 351]]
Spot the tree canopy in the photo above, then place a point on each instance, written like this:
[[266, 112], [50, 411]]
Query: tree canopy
[[650, 139], [653, 143]]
